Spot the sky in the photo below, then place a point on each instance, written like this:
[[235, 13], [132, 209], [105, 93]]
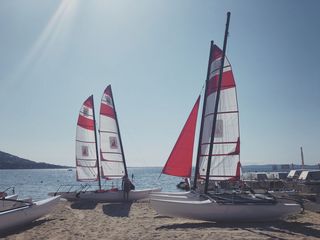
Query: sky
[[56, 53]]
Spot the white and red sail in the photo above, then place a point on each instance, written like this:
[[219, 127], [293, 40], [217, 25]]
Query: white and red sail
[[86, 157], [225, 153], [179, 162], [111, 156]]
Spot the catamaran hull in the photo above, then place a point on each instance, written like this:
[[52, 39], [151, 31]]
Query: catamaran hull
[[172, 193], [218, 212], [26, 214], [183, 196], [107, 196]]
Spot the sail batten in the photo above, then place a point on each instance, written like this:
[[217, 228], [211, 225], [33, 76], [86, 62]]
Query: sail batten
[[179, 162]]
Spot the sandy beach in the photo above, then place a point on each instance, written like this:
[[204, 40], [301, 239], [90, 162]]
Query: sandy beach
[[89, 220]]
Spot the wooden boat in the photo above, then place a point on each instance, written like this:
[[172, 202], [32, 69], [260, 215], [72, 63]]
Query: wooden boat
[[218, 159], [26, 213], [109, 163]]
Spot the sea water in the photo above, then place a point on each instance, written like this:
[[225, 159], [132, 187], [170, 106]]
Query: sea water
[[37, 183]]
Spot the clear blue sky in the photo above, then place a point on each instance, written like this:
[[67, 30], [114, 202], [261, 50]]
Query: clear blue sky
[[55, 53]]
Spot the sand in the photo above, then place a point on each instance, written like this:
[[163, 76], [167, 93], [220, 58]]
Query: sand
[[89, 220]]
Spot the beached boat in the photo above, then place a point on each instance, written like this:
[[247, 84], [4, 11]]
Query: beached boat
[[110, 162], [110, 195], [26, 212], [218, 160]]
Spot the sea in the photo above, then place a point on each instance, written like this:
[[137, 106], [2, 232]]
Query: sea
[[37, 183]]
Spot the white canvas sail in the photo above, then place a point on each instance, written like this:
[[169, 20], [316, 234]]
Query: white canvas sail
[[112, 161], [86, 157], [226, 145]]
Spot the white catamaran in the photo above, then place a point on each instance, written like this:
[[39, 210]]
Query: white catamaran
[[218, 159], [23, 212], [112, 164]]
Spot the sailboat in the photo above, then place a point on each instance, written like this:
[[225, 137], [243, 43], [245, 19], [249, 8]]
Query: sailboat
[[218, 160], [24, 212], [109, 163]]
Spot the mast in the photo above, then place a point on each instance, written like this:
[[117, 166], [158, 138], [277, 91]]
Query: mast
[[302, 158], [217, 103], [202, 121], [96, 142], [122, 153]]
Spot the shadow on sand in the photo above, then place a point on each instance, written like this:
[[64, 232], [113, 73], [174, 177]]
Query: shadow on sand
[[117, 209], [84, 204], [22, 228], [290, 228]]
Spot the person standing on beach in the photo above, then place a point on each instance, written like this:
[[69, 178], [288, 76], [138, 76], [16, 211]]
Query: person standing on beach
[[126, 187]]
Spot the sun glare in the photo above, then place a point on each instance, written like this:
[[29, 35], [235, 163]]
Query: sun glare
[[57, 27]]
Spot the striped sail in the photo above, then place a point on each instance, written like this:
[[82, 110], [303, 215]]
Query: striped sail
[[226, 145], [111, 157], [86, 157]]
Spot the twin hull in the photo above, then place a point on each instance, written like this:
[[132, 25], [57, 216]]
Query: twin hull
[[107, 196], [26, 214], [221, 212]]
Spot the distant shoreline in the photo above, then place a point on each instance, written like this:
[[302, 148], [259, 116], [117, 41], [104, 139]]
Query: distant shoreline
[[9, 161]]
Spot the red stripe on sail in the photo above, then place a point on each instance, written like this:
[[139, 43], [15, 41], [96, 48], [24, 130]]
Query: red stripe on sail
[[237, 149], [82, 120], [216, 53], [106, 110], [238, 173], [108, 90], [179, 162], [227, 76], [89, 102], [85, 123], [106, 107], [227, 82]]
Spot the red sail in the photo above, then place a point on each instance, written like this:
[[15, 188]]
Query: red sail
[[179, 162]]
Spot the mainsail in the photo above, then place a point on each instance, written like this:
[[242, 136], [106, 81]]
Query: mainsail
[[86, 157], [179, 162], [111, 151], [226, 144]]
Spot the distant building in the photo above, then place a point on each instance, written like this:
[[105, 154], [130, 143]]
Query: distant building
[[285, 167]]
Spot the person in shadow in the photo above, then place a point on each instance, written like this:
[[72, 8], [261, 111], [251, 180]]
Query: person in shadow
[[127, 186]]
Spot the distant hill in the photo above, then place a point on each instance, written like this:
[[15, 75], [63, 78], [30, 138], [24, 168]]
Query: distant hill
[[8, 161]]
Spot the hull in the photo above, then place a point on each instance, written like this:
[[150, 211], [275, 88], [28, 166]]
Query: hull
[[26, 214], [172, 193], [209, 210], [183, 196], [107, 196]]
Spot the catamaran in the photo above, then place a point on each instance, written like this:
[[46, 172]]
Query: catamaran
[[218, 159], [24, 212], [111, 164]]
